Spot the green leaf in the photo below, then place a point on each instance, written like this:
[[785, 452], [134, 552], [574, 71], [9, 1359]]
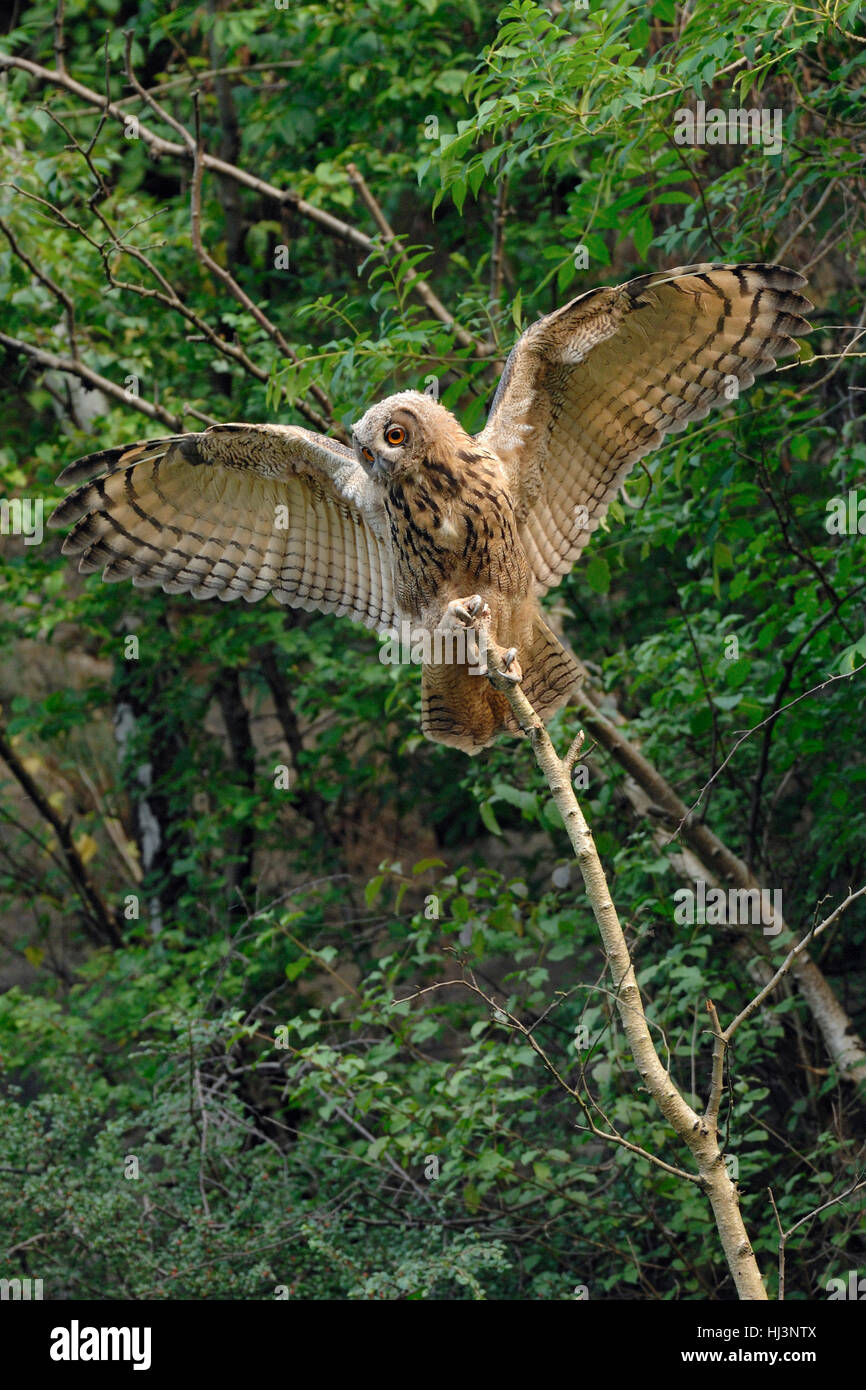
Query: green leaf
[[471, 1198], [488, 816], [596, 572], [424, 864], [373, 889], [294, 968], [642, 233]]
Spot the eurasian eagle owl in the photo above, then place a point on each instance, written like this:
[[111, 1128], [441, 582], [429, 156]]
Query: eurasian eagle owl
[[419, 521]]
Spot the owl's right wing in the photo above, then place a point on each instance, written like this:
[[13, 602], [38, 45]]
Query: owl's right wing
[[592, 388], [237, 511]]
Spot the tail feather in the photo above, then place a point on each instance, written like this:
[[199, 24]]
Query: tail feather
[[550, 671]]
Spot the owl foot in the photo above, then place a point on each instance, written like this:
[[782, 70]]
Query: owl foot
[[470, 617], [466, 612]]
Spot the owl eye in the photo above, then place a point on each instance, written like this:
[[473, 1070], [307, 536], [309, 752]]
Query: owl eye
[[368, 454], [395, 434]]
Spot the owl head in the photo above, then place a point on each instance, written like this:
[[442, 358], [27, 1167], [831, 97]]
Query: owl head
[[399, 435]]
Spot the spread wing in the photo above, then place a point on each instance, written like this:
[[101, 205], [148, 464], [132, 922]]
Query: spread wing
[[238, 511], [590, 389]]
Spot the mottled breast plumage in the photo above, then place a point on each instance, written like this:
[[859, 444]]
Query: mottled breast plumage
[[454, 524]]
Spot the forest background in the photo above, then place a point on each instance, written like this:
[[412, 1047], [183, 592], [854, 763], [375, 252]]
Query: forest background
[[229, 862]]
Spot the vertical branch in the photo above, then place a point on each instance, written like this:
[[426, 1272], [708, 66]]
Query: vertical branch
[[202, 1156], [230, 144], [498, 250], [311, 804], [718, 1074], [237, 721], [59, 37], [228, 280], [698, 1133], [100, 922]]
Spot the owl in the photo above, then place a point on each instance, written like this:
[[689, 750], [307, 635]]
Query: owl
[[420, 525]]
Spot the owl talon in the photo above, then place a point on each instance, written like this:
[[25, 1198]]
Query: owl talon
[[511, 668]]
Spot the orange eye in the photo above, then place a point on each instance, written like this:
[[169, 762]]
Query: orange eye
[[395, 434], [368, 454]]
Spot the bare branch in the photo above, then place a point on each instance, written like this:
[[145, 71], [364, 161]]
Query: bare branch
[[792, 955], [95, 381], [166, 294], [698, 1133], [160, 147]]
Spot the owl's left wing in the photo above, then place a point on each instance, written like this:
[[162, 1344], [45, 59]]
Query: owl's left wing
[[236, 511], [591, 388]]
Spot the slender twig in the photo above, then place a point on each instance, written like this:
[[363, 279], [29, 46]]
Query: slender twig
[[785, 518], [784, 1236], [781, 692], [165, 294], [392, 248], [711, 1114], [792, 955], [815, 690], [45, 279], [502, 1015], [786, 245], [718, 862]]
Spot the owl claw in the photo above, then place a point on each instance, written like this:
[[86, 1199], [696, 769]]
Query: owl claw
[[511, 668], [477, 608]]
